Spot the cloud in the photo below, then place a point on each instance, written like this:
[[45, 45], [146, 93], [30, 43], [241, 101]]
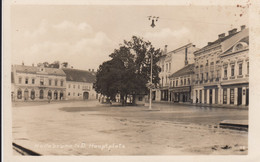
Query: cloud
[[76, 43]]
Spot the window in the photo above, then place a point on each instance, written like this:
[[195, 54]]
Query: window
[[69, 85], [225, 72], [19, 94], [32, 94], [181, 82], [218, 74], [50, 82], [170, 67], [212, 74], [26, 80], [166, 67], [140, 98], [78, 94], [41, 94], [166, 79], [162, 68], [41, 82], [207, 75], [56, 82], [33, 81], [188, 81], [176, 83], [201, 76], [162, 81], [184, 81], [232, 70], [232, 96], [74, 86], [69, 94], [173, 83], [20, 80], [61, 83], [240, 69], [247, 67], [197, 76]]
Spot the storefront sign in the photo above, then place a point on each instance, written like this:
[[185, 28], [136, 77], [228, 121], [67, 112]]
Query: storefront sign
[[181, 89]]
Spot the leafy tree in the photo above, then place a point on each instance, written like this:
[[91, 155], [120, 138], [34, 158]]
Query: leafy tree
[[128, 71]]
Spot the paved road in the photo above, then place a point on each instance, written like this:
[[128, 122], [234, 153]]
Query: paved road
[[89, 128]]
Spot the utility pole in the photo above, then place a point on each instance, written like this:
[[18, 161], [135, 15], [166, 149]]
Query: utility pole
[[152, 18]]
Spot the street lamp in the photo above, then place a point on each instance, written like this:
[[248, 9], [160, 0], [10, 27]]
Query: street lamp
[[152, 18]]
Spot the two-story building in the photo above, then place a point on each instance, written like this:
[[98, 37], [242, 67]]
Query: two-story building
[[181, 84], [31, 83], [235, 69], [80, 84], [170, 62], [212, 68]]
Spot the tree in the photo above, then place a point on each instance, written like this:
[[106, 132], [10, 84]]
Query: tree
[[128, 71]]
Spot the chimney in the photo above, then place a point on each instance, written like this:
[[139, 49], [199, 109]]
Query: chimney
[[165, 49], [242, 27], [222, 35], [186, 55], [232, 31]]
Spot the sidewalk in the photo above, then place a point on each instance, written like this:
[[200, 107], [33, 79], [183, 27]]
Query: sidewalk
[[205, 105]]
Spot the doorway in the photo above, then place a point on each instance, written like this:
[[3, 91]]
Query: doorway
[[85, 95], [247, 96], [210, 96], [239, 96]]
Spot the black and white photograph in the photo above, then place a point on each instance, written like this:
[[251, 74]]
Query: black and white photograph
[[128, 79]]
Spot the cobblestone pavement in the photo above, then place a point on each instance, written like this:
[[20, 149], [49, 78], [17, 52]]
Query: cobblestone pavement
[[89, 128]]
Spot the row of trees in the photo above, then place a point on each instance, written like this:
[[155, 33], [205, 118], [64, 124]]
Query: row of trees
[[55, 64], [128, 70]]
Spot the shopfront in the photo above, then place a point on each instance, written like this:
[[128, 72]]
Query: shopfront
[[181, 94]]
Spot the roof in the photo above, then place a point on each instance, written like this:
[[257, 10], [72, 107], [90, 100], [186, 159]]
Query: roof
[[33, 70], [216, 42], [186, 70], [79, 75]]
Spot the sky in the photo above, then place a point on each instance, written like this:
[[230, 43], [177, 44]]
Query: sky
[[85, 35]]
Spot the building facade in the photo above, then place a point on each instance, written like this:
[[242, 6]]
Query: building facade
[[169, 63], [181, 84], [219, 72], [80, 84], [32, 83]]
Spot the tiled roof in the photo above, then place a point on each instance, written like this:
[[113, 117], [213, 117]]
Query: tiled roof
[[186, 70], [216, 42], [79, 75], [33, 70]]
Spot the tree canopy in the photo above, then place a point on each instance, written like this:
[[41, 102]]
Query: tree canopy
[[128, 71]]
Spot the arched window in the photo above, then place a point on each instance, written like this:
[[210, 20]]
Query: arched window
[[26, 94], [32, 94], [19, 94], [49, 94], [41, 94]]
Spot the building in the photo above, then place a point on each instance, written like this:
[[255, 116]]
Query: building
[[235, 70], [170, 62], [181, 84], [30, 83], [216, 62], [80, 84]]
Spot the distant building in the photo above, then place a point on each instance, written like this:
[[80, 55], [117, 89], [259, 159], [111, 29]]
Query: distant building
[[30, 83], [170, 62], [221, 70], [181, 84], [80, 84]]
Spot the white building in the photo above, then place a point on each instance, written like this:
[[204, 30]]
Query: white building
[[221, 70], [80, 84], [170, 62], [30, 83]]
